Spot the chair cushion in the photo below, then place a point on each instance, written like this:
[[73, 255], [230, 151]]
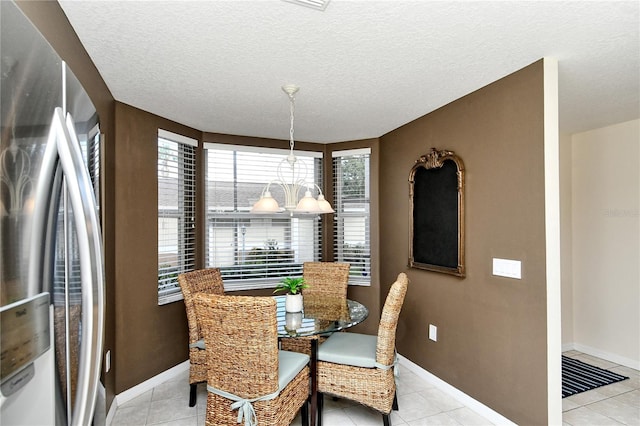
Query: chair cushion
[[289, 365], [199, 344], [354, 349]]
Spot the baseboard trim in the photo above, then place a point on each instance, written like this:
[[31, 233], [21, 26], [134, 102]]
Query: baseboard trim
[[149, 384], [491, 415], [627, 362]]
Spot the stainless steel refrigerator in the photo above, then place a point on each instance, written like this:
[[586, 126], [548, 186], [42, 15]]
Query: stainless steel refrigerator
[[51, 265]]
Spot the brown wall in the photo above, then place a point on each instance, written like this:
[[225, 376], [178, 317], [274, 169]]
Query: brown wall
[[491, 330], [150, 338]]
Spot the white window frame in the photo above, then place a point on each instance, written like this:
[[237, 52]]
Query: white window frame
[[360, 271], [168, 287]]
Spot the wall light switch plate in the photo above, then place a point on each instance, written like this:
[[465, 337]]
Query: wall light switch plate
[[433, 332], [507, 268]]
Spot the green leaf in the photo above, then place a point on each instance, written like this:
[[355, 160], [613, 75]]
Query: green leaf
[[291, 285]]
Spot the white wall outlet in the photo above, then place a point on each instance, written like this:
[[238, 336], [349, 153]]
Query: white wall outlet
[[433, 332], [107, 361], [507, 268]]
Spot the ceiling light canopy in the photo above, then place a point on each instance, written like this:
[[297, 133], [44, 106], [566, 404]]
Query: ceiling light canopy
[[313, 4], [292, 177]]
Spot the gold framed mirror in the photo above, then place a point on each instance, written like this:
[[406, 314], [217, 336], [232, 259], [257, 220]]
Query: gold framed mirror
[[436, 217]]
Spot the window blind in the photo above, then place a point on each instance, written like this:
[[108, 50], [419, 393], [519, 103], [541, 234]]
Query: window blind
[[352, 224], [67, 282], [255, 250], [91, 146], [176, 212]]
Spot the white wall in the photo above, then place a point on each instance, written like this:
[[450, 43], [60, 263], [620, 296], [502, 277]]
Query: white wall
[[552, 222], [605, 233], [566, 252]]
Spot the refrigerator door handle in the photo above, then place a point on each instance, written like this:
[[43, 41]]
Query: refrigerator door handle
[[63, 152], [44, 209], [92, 276]]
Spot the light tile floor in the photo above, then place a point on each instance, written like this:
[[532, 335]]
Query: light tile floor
[[420, 404], [615, 404]]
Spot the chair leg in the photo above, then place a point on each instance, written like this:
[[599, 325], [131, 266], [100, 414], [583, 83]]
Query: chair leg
[[386, 419], [320, 404], [304, 413], [192, 394], [394, 406]]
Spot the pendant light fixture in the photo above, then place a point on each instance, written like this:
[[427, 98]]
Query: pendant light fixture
[[292, 175]]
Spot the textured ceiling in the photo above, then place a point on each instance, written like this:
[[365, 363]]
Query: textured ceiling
[[364, 67]]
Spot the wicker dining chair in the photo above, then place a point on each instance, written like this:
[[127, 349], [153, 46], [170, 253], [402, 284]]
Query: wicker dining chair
[[246, 371], [360, 367], [208, 281], [325, 280]]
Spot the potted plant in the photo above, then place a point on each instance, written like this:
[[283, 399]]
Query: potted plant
[[293, 286]]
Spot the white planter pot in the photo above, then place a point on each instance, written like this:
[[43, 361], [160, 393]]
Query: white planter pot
[[293, 303]]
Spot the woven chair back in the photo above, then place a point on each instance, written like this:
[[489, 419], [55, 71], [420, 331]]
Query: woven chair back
[[240, 334], [326, 278], [385, 349], [208, 281]]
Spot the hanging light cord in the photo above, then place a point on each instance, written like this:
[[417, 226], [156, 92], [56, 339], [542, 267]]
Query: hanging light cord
[[291, 111]]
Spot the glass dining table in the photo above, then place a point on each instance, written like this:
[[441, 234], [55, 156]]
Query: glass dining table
[[320, 315]]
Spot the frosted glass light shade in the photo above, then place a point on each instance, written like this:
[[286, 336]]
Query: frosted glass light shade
[[325, 207], [308, 204], [266, 204]]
